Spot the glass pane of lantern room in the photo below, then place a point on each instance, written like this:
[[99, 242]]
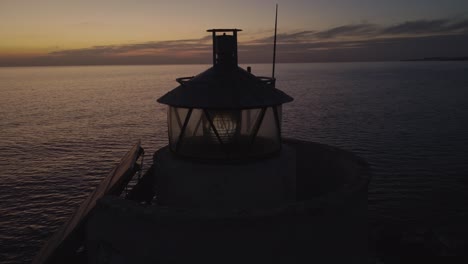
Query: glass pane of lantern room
[[194, 139], [268, 137], [211, 134], [194, 124], [176, 118], [249, 118]]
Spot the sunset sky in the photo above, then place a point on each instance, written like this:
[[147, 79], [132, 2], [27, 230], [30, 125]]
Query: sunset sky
[[63, 32]]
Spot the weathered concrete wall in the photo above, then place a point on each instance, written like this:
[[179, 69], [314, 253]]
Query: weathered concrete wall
[[326, 223], [187, 183]]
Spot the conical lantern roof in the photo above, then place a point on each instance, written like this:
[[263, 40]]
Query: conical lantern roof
[[219, 87]]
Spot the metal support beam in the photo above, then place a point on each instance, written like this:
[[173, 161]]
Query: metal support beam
[[208, 117], [184, 127], [257, 126]]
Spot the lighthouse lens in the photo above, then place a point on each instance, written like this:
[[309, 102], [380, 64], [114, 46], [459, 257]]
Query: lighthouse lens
[[225, 123]]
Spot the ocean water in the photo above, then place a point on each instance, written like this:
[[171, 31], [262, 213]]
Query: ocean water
[[62, 129]]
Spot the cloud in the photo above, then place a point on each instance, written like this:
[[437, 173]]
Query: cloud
[[443, 37], [418, 27], [365, 41], [427, 27], [287, 37], [348, 30], [378, 49], [368, 42], [366, 31], [192, 45], [460, 26]]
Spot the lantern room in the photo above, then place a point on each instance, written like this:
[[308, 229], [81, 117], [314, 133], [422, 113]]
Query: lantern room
[[225, 112]]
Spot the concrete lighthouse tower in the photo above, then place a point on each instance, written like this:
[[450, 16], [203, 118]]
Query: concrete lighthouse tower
[[230, 188]]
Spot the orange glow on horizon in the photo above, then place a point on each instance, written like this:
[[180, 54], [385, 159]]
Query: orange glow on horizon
[[67, 32], [21, 55]]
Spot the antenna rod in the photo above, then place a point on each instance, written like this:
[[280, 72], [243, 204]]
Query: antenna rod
[[274, 44]]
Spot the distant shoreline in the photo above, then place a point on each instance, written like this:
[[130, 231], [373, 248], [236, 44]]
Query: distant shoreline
[[240, 64], [440, 59]]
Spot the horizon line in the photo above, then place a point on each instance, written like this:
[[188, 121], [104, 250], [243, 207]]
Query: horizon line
[[252, 63]]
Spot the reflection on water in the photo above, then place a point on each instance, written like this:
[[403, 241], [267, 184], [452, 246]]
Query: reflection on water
[[63, 128]]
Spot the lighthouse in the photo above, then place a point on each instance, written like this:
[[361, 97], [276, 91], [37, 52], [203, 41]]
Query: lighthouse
[[225, 113], [229, 187], [225, 144]]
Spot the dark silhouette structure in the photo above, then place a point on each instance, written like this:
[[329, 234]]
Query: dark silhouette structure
[[229, 188]]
